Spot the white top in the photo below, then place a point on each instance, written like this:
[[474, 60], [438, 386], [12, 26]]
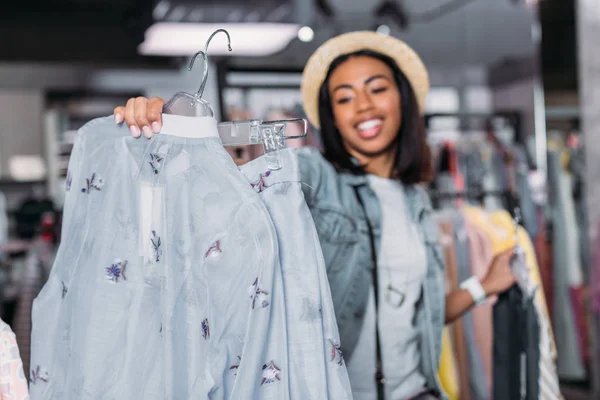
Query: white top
[[402, 265]]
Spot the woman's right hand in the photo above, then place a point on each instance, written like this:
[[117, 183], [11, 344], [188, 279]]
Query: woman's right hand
[[142, 115]]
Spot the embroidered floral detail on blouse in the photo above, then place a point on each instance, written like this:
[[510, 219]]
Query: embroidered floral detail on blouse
[[38, 374], [205, 329], [336, 353], [155, 161], [94, 182], [116, 270], [236, 366], [68, 181], [270, 373], [214, 249], [64, 289], [261, 184], [257, 293], [157, 246]]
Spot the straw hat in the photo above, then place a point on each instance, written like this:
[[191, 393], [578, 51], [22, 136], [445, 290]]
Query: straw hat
[[317, 66]]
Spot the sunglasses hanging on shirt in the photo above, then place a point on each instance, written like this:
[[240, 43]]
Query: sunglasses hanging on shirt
[[271, 134]]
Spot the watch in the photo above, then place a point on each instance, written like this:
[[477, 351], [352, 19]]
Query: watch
[[473, 286]]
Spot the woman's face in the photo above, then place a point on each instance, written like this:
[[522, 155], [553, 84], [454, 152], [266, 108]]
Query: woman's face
[[366, 106]]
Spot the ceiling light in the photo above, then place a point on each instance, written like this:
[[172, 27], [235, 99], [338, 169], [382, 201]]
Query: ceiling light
[[383, 30], [247, 39], [306, 34]]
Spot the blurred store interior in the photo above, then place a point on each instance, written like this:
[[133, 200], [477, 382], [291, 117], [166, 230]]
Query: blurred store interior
[[524, 72]]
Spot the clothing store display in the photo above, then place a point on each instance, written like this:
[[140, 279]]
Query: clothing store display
[[485, 172], [317, 368], [316, 68], [567, 270], [180, 294], [13, 384], [400, 275]]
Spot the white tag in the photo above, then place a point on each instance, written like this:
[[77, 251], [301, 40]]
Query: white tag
[[151, 203]]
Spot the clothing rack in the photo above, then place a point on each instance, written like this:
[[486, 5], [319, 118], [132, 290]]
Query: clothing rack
[[512, 198]]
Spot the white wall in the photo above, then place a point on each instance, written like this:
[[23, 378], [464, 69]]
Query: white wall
[[20, 124]]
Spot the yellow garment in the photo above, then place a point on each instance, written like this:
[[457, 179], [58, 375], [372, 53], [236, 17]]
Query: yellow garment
[[501, 236], [448, 373]]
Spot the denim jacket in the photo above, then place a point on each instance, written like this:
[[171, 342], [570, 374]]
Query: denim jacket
[[343, 234]]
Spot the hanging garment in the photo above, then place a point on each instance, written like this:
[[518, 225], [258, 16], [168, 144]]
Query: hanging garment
[[167, 283], [448, 373], [13, 384], [543, 253], [508, 345], [567, 270], [511, 346], [458, 337], [546, 343], [316, 366], [481, 255], [478, 382]]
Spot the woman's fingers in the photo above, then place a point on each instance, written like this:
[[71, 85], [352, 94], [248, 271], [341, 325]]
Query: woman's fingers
[[119, 113], [130, 118], [141, 116], [154, 113]]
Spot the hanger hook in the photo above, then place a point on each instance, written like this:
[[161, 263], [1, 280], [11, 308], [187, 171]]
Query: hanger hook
[[205, 58]]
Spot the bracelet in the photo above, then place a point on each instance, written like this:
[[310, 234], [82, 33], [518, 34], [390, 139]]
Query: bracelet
[[473, 286]]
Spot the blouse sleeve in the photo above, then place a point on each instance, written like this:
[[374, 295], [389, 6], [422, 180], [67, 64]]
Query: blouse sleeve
[[13, 384]]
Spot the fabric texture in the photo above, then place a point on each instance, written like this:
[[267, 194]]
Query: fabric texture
[[481, 255], [478, 382], [448, 373], [317, 369], [508, 345], [178, 294], [13, 384], [458, 337], [401, 270], [344, 238]]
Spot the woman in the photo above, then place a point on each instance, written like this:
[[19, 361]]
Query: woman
[[366, 92]]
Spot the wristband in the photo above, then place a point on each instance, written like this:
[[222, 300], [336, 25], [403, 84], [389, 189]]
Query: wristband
[[473, 286]]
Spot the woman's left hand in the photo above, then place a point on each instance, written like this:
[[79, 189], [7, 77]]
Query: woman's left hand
[[499, 277]]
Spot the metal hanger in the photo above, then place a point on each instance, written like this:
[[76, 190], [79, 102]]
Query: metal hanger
[[193, 105], [271, 134]]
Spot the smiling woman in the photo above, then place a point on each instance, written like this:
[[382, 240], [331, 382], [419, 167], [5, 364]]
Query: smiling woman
[[370, 119]]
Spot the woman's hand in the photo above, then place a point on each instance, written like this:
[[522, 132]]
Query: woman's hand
[[142, 115], [499, 277]]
